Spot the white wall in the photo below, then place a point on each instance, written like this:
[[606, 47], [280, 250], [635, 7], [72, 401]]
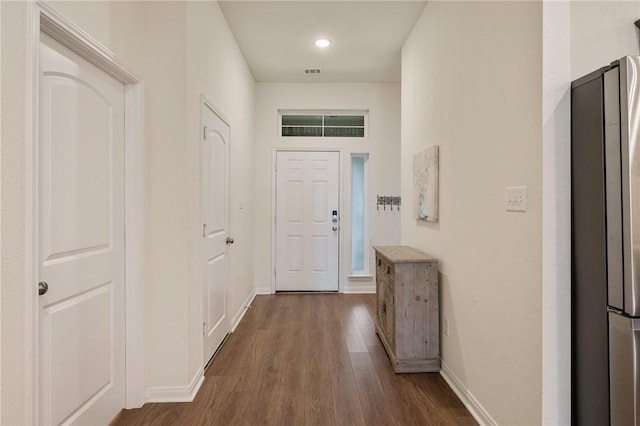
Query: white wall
[[117, 25], [168, 201], [382, 144], [217, 69], [179, 50], [601, 32], [556, 220], [471, 78], [12, 373], [0, 226], [578, 38]]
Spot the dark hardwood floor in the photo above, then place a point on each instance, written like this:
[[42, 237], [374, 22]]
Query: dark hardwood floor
[[308, 359]]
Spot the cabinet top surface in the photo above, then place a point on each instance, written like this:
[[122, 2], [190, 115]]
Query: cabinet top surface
[[403, 254]]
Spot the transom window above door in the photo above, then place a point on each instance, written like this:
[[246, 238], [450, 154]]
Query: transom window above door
[[329, 124]]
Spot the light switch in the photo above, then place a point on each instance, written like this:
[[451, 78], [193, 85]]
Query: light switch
[[515, 199]]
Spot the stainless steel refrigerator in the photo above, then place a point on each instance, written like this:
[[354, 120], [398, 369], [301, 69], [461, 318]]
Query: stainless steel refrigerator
[[605, 245]]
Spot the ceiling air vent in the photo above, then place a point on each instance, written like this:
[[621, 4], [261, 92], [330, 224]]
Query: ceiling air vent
[[312, 70]]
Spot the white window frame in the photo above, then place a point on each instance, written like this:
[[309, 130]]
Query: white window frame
[[366, 271], [363, 112]]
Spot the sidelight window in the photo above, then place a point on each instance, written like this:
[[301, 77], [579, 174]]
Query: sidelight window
[[359, 240]]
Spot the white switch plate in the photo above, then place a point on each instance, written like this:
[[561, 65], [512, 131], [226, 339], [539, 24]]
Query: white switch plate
[[515, 199]]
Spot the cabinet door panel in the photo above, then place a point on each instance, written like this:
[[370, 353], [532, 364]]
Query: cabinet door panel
[[380, 296], [390, 312]]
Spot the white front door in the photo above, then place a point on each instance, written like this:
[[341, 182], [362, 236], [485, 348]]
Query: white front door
[[80, 237], [307, 221], [215, 224]]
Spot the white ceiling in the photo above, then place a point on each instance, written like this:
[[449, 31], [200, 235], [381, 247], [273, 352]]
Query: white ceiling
[[276, 38]]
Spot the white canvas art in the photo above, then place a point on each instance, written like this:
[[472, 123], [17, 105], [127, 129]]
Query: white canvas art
[[425, 184]]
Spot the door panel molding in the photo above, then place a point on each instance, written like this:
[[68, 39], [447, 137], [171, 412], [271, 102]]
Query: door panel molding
[[46, 20]]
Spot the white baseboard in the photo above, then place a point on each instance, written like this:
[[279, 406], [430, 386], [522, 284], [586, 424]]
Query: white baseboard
[[177, 393], [361, 289], [243, 310], [473, 405]]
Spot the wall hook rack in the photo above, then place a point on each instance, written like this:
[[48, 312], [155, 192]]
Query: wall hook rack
[[386, 200]]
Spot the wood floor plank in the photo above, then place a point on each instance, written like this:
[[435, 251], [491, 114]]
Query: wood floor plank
[[153, 415], [318, 348], [433, 403], [205, 407], [397, 389], [261, 409], [353, 337], [338, 356], [346, 401], [366, 326], [373, 401], [318, 398], [308, 359], [288, 407], [289, 399], [232, 409]]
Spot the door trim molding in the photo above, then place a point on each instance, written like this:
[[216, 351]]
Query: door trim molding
[[205, 101], [274, 184], [45, 19], [68, 34]]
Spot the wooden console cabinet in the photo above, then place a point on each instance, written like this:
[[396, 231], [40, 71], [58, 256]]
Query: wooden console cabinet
[[407, 317]]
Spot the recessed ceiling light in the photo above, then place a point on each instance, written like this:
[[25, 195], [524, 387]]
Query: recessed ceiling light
[[322, 42]]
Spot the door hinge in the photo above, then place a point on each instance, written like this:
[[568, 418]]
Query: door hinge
[[204, 328], [204, 230], [204, 133]]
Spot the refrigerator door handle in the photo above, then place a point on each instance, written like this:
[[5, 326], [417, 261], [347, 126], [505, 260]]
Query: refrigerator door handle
[[613, 186]]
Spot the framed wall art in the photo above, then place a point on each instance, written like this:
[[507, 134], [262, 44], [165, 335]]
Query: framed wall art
[[425, 184]]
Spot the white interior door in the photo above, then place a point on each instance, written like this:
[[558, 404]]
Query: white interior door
[[216, 240], [80, 235], [307, 226]]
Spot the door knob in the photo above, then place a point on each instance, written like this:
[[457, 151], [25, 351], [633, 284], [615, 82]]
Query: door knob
[[335, 228], [229, 240], [43, 287]]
